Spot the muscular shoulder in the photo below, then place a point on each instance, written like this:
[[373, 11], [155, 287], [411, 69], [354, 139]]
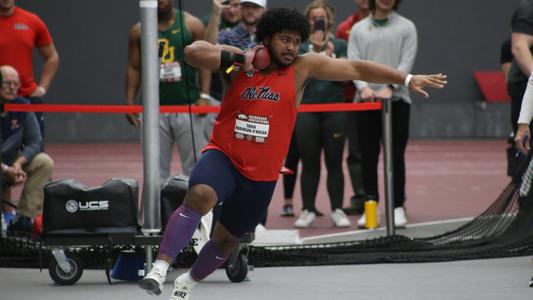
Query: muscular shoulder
[[195, 26], [135, 31]]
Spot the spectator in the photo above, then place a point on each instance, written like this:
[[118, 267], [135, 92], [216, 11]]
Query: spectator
[[317, 131], [518, 84], [222, 17], [22, 159], [20, 32], [242, 36], [354, 152], [391, 39], [522, 66], [178, 86], [344, 28]]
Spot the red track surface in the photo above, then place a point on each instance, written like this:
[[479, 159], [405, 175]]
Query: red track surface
[[445, 179]]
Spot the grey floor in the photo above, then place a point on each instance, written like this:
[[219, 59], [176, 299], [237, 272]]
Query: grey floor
[[475, 279], [479, 279]]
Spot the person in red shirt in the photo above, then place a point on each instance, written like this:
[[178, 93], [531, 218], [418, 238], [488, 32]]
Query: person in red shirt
[[20, 32], [241, 164], [344, 28]]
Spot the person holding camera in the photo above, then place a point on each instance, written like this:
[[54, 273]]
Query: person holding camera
[[317, 131]]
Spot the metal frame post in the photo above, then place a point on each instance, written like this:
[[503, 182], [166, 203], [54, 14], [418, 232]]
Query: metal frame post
[[386, 118], [150, 98]]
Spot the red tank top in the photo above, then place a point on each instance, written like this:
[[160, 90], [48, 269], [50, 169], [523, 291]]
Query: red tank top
[[256, 121]]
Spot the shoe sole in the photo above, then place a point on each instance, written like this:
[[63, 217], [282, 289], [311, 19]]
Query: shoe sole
[[151, 286], [303, 226]]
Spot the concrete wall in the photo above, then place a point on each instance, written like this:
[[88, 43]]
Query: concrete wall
[[455, 37]]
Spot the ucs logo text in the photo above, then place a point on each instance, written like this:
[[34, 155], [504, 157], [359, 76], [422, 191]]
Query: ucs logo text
[[73, 206]]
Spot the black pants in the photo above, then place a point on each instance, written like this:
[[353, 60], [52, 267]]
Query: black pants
[[314, 132], [354, 155], [291, 162], [370, 135]]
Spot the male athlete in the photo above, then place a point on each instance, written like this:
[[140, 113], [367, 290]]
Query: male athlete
[[251, 136]]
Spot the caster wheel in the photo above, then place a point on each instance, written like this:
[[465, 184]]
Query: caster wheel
[[66, 278], [237, 266]]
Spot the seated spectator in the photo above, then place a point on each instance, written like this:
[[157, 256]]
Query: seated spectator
[[22, 160]]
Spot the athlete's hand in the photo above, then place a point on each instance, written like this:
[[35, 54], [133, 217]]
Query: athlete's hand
[[419, 82], [521, 138], [249, 58]]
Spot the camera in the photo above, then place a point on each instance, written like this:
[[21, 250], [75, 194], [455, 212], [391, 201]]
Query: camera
[[319, 25]]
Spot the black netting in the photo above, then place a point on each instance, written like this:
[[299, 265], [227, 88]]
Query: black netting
[[502, 230]]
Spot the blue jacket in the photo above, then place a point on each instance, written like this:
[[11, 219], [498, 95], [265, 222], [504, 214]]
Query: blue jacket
[[21, 135], [237, 36]]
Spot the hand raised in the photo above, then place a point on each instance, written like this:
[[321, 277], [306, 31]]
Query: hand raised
[[419, 82]]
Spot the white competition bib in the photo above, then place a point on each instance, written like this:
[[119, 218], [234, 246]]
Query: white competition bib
[[170, 72], [252, 128]]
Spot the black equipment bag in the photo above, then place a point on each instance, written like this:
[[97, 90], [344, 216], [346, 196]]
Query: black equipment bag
[[72, 208], [172, 195]]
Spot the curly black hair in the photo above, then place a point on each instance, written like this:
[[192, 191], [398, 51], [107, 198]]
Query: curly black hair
[[282, 19]]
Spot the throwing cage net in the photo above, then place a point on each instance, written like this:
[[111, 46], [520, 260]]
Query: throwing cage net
[[504, 229]]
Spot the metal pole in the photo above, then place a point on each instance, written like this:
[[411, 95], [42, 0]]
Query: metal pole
[[150, 97], [386, 113]]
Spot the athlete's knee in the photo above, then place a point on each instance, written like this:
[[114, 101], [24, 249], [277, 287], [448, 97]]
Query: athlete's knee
[[201, 197]]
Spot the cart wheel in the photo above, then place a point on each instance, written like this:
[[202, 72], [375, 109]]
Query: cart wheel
[[237, 267], [61, 277]]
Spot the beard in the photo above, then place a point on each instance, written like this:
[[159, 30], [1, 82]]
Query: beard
[[275, 58], [250, 23]]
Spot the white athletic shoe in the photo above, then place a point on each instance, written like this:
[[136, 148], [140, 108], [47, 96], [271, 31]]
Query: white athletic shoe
[[260, 227], [399, 217], [340, 219], [305, 219], [362, 221], [182, 290], [152, 283]]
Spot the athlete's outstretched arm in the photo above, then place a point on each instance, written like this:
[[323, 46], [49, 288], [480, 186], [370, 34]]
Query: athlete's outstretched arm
[[326, 68], [202, 54]]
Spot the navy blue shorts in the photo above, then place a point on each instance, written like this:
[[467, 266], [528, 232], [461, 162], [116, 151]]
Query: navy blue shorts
[[244, 201]]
